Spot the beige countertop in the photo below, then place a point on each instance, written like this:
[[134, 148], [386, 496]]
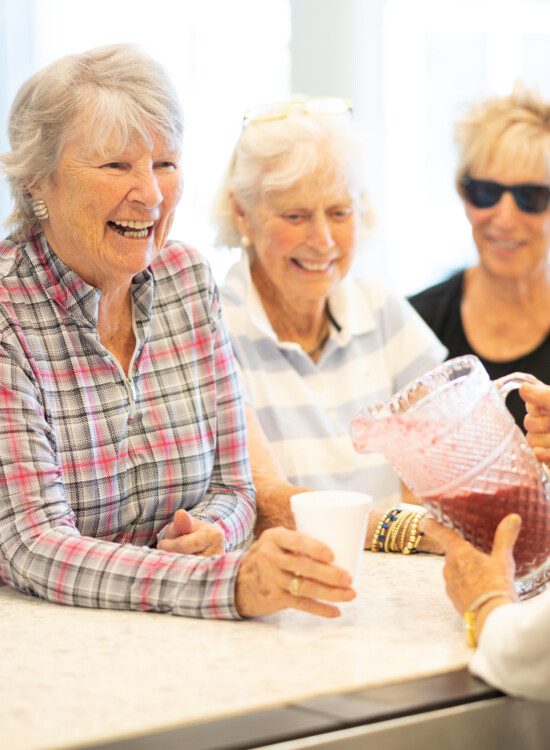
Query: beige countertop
[[73, 675]]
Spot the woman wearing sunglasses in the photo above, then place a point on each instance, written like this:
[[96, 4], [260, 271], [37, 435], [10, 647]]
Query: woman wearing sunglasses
[[500, 308]]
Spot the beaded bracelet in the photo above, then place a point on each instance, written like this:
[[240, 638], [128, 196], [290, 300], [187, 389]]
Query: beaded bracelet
[[391, 536], [379, 536], [398, 531], [405, 531], [415, 535]]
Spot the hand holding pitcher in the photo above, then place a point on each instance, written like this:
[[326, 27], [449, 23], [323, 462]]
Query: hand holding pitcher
[[452, 440]]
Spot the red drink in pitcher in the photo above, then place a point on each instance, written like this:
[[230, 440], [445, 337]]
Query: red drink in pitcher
[[452, 440], [476, 515]]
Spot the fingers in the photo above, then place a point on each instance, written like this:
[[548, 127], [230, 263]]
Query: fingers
[[189, 536], [292, 552], [537, 419], [305, 567], [185, 546], [538, 436], [506, 535], [294, 541], [203, 541], [536, 397], [313, 589], [313, 607], [276, 559], [542, 455], [182, 523], [538, 426]]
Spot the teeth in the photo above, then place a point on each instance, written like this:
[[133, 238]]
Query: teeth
[[312, 266], [507, 244], [142, 233], [133, 224]]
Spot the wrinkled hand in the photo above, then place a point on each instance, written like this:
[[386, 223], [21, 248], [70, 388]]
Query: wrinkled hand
[[274, 560], [190, 536], [537, 420], [469, 572]]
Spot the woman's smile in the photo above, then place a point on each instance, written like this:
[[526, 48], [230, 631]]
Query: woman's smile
[[312, 266], [132, 228]]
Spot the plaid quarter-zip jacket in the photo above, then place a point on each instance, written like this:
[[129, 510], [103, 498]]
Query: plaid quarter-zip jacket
[[94, 462]]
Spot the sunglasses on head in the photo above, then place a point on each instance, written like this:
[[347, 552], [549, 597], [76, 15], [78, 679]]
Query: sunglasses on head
[[533, 199], [318, 105]]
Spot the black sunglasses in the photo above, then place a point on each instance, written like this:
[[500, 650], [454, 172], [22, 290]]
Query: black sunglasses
[[533, 199]]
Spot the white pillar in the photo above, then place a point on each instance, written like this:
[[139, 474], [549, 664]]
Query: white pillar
[[336, 49]]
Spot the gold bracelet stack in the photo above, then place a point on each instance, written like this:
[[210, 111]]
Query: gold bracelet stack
[[414, 535], [379, 537], [397, 530]]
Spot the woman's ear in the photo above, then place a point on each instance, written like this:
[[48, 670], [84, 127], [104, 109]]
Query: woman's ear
[[240, 217], [34, 190]]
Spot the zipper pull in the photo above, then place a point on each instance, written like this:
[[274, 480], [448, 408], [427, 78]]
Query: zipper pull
[[132, 397]]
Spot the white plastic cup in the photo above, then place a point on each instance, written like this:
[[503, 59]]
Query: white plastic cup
[[339, 519]]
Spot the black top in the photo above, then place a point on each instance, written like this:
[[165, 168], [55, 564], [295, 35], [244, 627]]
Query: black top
[[440, 307]]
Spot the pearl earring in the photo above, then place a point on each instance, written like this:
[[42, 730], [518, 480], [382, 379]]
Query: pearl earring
[[40, 209], [245, 242]]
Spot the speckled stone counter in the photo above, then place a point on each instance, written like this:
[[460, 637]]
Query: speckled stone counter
[[72, 676]]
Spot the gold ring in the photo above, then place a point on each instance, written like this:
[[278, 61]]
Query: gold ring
[[294, 586]]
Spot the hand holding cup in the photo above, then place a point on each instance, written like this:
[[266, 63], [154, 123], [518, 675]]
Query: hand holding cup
[[286, 568], [339, 519]]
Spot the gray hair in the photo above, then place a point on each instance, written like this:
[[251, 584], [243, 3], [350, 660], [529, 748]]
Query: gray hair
[[506, 130], [123, 93], [275, 155]]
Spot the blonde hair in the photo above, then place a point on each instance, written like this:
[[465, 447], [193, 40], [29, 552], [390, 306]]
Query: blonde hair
[[122, 92], [276, 155], [503, 131]]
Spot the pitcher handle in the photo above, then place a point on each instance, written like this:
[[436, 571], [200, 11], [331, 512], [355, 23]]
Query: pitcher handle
[[507, 384]]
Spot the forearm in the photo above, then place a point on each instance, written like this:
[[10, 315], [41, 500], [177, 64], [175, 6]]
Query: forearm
[[273, 491], [64, 567], [233, 510], [273, 504]]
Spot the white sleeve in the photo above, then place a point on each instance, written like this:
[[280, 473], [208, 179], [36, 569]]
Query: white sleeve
[[514, 648]]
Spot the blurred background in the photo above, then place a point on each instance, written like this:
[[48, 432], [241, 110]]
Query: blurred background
[[409, 67]]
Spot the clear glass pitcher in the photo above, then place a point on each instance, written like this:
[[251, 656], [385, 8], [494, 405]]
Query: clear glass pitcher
[[452, 440]]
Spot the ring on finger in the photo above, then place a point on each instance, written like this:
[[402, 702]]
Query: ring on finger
[[294, 586]]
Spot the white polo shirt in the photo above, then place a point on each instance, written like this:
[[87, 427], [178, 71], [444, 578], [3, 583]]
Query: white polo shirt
[[377, 345]]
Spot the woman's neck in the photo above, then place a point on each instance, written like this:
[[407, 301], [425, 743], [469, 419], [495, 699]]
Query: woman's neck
[[528, 292], [505, 319], [302, 321], [114, 324]]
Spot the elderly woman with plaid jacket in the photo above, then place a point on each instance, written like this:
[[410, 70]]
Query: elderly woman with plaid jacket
[[124, 476]]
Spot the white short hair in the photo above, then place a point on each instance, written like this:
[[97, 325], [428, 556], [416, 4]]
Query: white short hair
[[276, 155], [122, 91]]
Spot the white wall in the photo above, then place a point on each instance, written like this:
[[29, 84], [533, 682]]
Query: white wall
[[409, 66]]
